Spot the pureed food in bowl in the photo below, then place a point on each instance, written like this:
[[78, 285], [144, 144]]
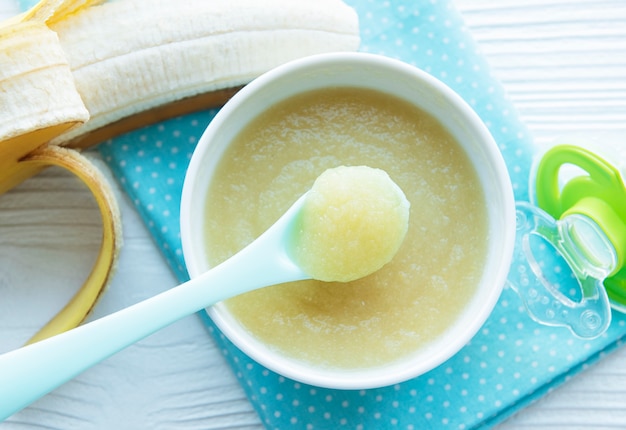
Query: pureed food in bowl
[[410, 301], [422, 306]]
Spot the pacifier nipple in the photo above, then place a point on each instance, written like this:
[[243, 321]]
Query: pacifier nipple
[[590, 251]]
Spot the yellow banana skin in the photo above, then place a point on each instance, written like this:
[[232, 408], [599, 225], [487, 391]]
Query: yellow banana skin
[[39, 101], [84, 300]]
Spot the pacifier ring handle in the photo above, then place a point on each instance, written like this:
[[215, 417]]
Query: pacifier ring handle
[[597, 191]]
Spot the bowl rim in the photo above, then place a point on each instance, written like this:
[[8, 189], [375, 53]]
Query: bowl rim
[[439, 351]]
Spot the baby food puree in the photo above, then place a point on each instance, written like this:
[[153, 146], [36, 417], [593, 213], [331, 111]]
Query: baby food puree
[[411, 300]]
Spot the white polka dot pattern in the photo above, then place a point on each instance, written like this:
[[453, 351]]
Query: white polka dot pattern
[[510, 362]]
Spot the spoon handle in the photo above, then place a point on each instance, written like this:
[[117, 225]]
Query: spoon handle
[[28, 373], [32, 371]]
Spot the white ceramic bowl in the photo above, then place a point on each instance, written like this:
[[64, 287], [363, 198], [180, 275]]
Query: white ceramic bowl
[[398, 79]]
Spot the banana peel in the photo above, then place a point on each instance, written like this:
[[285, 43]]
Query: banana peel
[[85, 299], [40, 101], [78, 72]]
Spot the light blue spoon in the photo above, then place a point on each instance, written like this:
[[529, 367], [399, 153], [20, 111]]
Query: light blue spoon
[[29, 373]]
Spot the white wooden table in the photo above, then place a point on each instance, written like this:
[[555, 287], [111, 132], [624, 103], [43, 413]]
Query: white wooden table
[[563, 63]]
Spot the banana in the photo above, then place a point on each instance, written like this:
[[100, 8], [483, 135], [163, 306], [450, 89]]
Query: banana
[[77, 72], [128, 57]]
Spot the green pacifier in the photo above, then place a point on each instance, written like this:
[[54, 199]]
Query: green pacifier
[[584, 220]]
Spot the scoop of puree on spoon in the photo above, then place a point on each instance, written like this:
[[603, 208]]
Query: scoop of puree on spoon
[[350, 224]]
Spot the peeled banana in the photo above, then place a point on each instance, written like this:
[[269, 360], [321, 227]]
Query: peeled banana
[[77, 72], [131, 56]]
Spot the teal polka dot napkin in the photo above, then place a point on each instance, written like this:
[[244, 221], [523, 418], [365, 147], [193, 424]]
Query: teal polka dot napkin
[[508, 364]]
